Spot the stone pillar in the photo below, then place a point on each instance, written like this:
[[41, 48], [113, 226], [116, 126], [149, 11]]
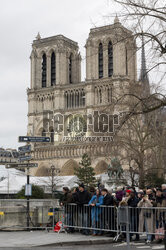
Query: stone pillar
[[96, 64], [88, 61], [63, 68], [90, 95], [38, 72], [33, 70]]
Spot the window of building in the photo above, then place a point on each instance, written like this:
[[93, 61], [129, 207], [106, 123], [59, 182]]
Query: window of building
[[44, 70], [52, 135], [77, 99], [70, 69], [100, 96], [83, 98], [100, 60], [110, 59], [109, 94], [43, 132], [53, 69]]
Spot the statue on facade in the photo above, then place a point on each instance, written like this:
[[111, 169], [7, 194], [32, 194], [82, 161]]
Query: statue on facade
[[115, 169]]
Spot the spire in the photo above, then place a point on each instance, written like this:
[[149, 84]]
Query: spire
[[116, 20], [38, 37], [143, 73]]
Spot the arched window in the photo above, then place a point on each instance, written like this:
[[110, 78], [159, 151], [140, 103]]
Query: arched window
[[77, 99], [43, 132], [70, 69], [83, 98], [44, 70], [100, 60], [53, 69], [72, 100], [52, 135], [109, 92], [110, 59], [66, 99], [100, 96]]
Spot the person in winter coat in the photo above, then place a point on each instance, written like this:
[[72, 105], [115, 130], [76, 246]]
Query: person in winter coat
[[75, 194], [108, 213], [146, 217], [133, 213], [67, 196], [66, 199], [83, 198], [95, 203], [120, 194]]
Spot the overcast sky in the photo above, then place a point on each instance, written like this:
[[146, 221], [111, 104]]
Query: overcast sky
[[20, 21]]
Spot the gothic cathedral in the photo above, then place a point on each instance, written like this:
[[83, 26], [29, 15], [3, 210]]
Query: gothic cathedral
[[79, 116]]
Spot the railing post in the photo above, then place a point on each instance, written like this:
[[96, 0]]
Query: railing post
[[127, 228], [165, 234]]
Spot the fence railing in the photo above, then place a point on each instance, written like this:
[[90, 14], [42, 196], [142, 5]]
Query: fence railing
[[119, 220], [149, 220]]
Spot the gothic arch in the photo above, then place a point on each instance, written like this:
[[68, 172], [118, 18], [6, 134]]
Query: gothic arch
[[68, 168], [98, 42], [39, 127], [41, 52], [42, 171], [50, 51], [101, 167]]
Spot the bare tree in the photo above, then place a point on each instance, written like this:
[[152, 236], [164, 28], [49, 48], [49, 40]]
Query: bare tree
[[142, 146], [147, 20]]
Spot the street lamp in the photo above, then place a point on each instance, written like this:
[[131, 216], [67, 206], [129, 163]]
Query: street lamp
[[54, 172]]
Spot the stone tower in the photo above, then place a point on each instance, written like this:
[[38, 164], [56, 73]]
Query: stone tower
[[56, 88]]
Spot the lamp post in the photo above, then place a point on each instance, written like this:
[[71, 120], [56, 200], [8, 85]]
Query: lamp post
[[54, 172]]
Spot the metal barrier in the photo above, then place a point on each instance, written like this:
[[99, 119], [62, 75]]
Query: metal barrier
[[122, 221], [125, 221], [103, 218]]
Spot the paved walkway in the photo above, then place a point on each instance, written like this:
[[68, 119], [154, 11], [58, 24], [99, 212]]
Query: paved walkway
[[43, 238]]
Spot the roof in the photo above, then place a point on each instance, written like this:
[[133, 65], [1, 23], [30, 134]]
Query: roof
[[40, 41], [12, 181]]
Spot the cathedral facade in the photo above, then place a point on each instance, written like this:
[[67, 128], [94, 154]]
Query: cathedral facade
[[73, 112]]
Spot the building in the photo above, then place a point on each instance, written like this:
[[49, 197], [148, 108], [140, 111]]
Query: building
[[60, 104]]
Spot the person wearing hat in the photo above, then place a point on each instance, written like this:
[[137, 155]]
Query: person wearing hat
[[108, 218], [83, 197]]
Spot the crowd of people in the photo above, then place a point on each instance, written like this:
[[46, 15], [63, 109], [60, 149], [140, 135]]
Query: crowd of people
[[97, 209]]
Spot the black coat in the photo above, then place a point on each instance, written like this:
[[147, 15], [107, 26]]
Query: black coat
[[108, 200], [67, 198], [83, 197], [132, 202], [75, 197]]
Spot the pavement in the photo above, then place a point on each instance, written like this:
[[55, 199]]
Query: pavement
[[50, 240], [43, 238]]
